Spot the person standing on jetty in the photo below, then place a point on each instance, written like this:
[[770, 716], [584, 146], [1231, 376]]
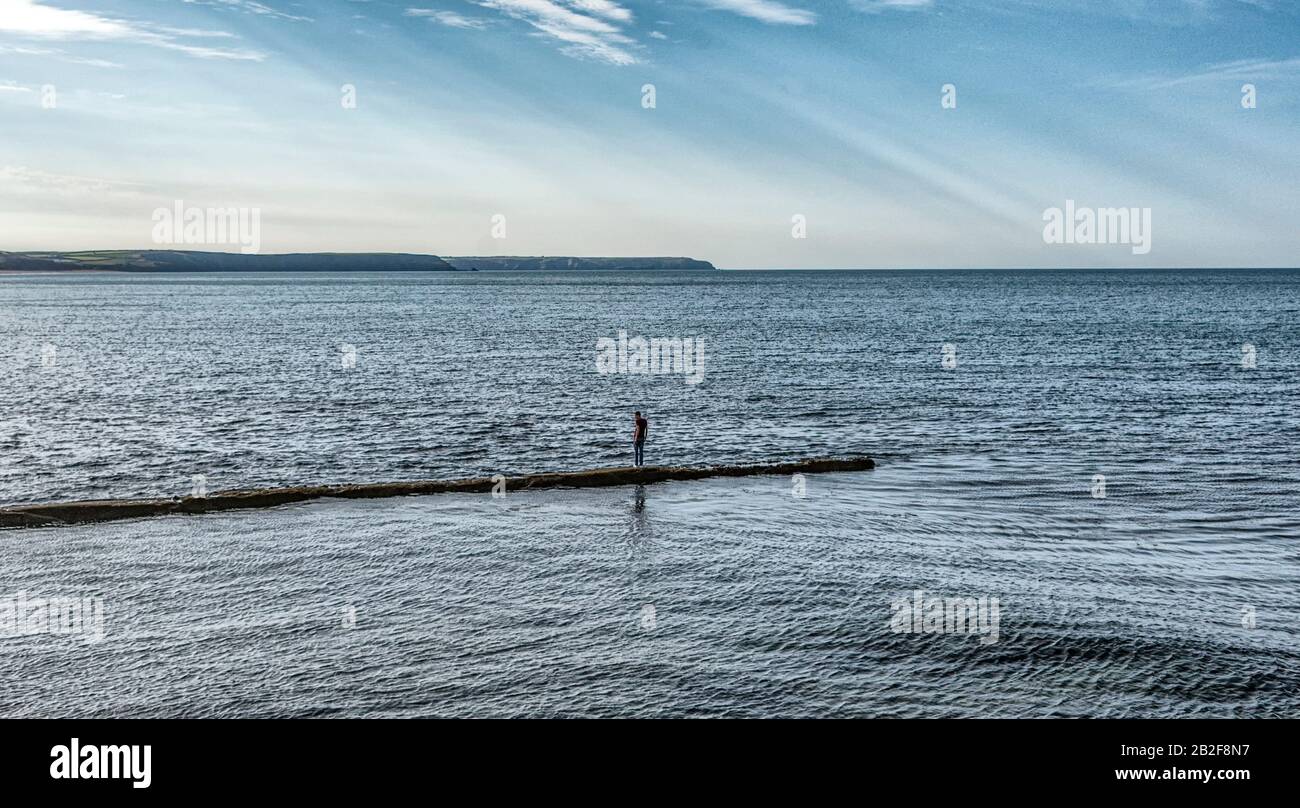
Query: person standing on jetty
[[638, 437]]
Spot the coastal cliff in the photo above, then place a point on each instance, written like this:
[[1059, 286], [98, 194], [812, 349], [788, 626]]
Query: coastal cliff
[[193, 261]]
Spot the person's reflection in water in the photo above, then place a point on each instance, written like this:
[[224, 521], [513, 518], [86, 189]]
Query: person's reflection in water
[[640, 525], [641, 587]]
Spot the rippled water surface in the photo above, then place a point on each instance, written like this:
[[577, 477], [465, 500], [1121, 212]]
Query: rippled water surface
[[1177, 593]]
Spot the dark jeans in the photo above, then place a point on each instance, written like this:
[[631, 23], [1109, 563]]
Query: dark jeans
[[637, 446]]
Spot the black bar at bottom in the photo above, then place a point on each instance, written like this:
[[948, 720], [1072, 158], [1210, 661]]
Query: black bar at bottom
[[354, 758]]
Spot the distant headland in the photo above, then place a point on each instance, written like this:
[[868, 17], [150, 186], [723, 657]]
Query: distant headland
[[558, 262], [194, 261]]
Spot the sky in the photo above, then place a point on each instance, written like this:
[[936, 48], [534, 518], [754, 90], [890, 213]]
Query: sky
[[524, 127]]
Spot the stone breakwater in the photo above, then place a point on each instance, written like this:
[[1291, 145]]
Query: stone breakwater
[[68, 513]]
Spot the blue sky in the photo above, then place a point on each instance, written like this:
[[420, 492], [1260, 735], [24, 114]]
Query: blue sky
[[532, 109]]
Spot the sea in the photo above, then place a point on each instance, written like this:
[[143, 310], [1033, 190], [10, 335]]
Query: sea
[[1086, 499]]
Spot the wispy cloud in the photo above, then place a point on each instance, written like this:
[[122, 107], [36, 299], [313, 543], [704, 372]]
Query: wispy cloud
[[768, 11], [194, 32], [31, 18], [1239, 70], [251, 7], [1165, 11], [586, 28], [878, 6], [448, 18], [603, 8], [55, 53], [34, 180], [36, 20]]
